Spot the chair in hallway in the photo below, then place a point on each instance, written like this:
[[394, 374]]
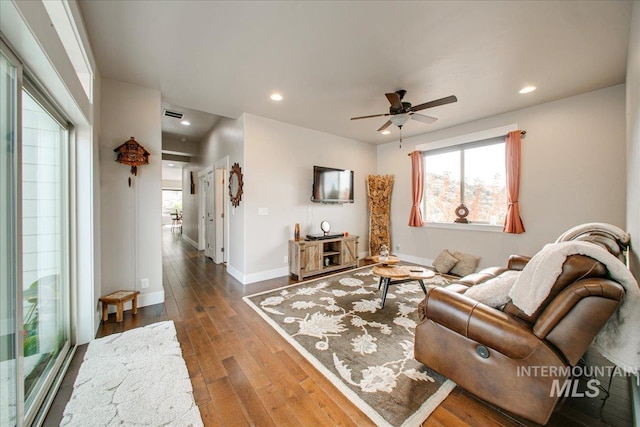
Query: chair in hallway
[[176, 222]]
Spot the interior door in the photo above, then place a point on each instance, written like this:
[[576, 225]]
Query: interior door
[[221, 174], [210, 216], [202, 217]]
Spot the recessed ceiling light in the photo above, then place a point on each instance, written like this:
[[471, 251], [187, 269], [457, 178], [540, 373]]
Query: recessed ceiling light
[[170, 165], [528, 89], [276, 97], [386, 132], [185, 122]]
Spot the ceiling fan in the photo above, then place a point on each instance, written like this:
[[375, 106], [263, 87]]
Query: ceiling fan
[[401, 111]]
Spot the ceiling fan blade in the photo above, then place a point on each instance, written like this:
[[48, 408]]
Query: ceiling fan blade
[[394, 100], [424, 119], [437, 102], [384, 126], [368, 117]]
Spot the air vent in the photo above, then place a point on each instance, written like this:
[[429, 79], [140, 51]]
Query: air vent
[[174, 114]]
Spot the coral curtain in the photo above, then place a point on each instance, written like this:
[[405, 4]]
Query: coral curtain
[[417, 189], [513, 222]]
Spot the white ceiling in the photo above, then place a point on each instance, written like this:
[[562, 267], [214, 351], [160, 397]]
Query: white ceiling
[[335, 60], [201, 123]]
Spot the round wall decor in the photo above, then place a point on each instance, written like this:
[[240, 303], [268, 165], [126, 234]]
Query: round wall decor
[[235, 185]]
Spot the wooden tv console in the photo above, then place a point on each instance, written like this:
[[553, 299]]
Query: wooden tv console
[[312, 257]]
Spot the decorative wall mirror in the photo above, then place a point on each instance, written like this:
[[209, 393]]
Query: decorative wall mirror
[[235, 185]]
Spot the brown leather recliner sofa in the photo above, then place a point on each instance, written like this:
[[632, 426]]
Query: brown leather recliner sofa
[[506, 357]]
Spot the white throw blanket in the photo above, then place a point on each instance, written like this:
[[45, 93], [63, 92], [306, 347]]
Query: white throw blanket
[[618, 340], [494, 292]]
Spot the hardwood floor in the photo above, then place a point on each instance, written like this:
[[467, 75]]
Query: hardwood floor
[[244, 373]]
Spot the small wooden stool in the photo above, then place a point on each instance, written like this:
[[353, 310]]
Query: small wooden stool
[[119, 298]]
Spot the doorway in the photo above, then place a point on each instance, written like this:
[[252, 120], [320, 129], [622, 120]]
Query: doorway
[[209, 214], [222, 243], [221, 174], [202, 220]]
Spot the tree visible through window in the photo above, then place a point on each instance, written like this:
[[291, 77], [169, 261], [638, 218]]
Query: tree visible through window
[[473, 174]]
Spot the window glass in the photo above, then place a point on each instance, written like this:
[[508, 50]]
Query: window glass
[[45, 284], [171, 205], [473, 174], [484, 184], [442, 186], [8, 290]]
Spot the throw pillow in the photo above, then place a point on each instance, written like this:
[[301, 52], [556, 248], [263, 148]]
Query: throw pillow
[[444, 262], [466, 264]]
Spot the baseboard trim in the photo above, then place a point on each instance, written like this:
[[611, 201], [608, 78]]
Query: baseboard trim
[[247, 279], [414, 259], [190, 241], [265, 275], [235, 273]]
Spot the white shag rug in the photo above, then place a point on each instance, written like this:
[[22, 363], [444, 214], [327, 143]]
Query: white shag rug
[[137, 378]]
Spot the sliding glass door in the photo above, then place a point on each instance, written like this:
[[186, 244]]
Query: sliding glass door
[[8, 238], [34, 245], [45, 278]]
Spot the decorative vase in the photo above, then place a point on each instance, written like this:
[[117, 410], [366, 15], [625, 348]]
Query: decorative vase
[[296, 233], [384, 252]]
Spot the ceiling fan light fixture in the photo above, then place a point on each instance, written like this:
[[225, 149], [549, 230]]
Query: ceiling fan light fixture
[[399, 119]]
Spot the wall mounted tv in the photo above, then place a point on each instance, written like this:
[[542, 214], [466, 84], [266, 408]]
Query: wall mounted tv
[[332, 185]]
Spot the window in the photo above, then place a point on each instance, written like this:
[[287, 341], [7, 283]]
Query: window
[[473, 174], [171, 204], [63, 22]]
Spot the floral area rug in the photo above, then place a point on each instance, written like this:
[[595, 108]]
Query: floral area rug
[[367, 352]]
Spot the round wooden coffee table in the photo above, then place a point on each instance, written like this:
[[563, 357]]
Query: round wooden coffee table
[[396, 274]]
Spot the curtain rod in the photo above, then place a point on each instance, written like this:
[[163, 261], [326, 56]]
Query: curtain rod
[[522, 132]]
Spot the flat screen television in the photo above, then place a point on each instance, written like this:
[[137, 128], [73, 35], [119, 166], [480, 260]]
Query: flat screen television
[[332, 185]]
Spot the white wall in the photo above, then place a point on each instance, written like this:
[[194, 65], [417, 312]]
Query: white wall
[[277, 163], [131, 217], [278, 175], [633, 140], [573, 171]]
